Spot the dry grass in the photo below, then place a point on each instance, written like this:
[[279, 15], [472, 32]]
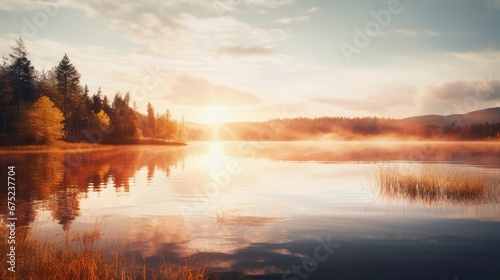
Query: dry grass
[[434, 184], [81, 258]]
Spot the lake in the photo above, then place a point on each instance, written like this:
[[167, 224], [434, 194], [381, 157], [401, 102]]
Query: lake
[[270, 210]]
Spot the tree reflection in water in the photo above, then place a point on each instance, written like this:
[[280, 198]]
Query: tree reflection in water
[[57, 181]]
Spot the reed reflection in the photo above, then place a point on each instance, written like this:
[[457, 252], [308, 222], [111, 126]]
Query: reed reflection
[[57, 181]]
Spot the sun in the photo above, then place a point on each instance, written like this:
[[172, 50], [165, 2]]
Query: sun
[[215, 114]]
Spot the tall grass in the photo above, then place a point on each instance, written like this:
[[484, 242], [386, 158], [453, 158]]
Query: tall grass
[[434, 184], [81, 258]]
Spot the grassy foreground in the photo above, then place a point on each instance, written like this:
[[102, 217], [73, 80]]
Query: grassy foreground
[[431, 185], [81, 259]]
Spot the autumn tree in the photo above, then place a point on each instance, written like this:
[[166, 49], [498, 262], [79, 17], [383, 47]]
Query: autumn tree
[[100, 121], [42, 122]]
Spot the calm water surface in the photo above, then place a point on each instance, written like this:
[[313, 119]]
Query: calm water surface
[[269, 210]]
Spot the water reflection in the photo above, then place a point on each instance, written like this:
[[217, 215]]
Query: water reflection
[[57, 181], [269, 216], [474, 153]]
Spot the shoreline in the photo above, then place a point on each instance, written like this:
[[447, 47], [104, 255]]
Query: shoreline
[[63, 147]]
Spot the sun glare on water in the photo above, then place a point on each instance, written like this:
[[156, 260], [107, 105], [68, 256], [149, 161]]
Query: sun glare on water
[[215, 157]]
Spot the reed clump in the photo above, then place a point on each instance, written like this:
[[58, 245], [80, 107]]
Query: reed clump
[[82, 258], [434, 184]]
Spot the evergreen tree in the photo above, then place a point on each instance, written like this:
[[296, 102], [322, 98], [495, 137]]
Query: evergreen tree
[[46, 85], [87, 99], [171, 126], [165, 126], [151, 119], [21, 74], [125, 119], [97, 102], [5, 97], [105, 105], [68, 80], [181, 132]]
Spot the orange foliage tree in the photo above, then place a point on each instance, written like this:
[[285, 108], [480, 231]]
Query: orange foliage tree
[[42, 122]]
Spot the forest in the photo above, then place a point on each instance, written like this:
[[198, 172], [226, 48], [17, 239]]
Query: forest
[[40, 107], [346, 129]]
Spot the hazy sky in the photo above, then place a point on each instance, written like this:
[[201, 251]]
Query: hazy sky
[[261, 59]]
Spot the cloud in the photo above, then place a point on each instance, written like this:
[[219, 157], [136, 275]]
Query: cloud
[[180, 27], [159, 26], [459, 96], [197, 91], [480, 58], [494, 4], [390, 101], [288, 20], [223, 7], [461, 89], [24, 5], [267, 3], [416, 33], [240, 51], [348, 103], [313, 10]]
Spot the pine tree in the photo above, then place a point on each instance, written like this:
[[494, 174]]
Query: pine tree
[[97, 102], [125, 119], [46, 85], [68, 80], [151, 119], [181, 132], [87, 99], [105, 105], [5, 97], [22, 75], [171, 127]]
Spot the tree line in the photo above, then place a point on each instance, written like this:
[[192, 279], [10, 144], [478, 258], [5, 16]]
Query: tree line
[[46, 106], [342, 128]]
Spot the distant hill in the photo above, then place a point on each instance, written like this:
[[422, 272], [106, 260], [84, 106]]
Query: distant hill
[[490, 115]]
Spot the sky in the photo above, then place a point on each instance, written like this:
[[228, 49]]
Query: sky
[[253, 60]]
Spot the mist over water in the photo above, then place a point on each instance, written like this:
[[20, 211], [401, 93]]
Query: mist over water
[[259, 208]]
